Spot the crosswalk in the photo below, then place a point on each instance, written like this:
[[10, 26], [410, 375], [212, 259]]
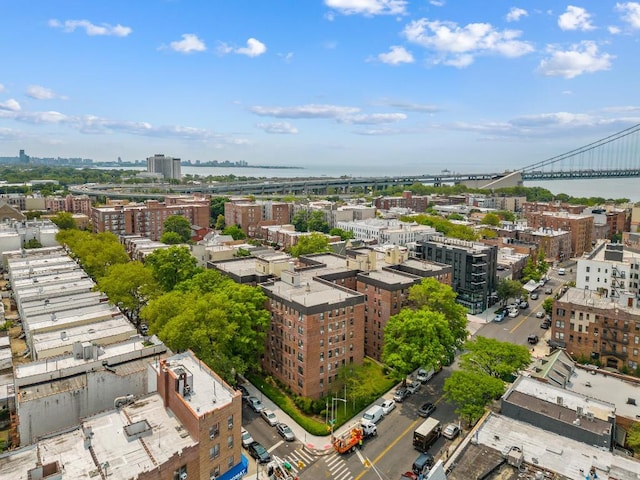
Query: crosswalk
[[338, 468], [299, 459]]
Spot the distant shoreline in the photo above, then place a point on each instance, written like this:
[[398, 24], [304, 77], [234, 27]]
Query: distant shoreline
[[122, 165]]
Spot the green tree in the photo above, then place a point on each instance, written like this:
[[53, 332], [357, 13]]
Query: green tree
[[633, 436], [506, 215], [491, 219], [507, 289], [494, 358], [542, 265], [64, 221], [416, 338], [219, 223], [130, 286], [33, 243], [530, 271], [171, 266], [310, 221], [95, 252], [222, 322], [180, 225], [313, 243], [171, 238], [487, 233], [235, 231], [547, 305], [434, 296], [472, 392], [217, 206], [343, 234]]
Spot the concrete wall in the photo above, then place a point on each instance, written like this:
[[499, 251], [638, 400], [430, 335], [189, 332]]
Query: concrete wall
[[61, 410]]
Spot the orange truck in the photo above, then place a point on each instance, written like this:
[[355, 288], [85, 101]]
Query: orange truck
[[349, 440]]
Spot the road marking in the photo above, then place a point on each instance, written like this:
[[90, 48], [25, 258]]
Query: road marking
[[519, 324], [275, 446]]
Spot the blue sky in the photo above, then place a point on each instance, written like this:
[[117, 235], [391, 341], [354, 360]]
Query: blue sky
[[416, 85]]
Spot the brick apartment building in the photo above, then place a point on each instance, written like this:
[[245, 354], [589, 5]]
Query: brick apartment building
[[579, 225], [250, 216], [148, 219], [70, 203], [417, 203], [539, 207]]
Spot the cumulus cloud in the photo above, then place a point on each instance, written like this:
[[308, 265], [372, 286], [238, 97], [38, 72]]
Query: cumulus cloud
[[630, 13], [373, 118], [437, 3], [457, 46], [580, 59], [305, 111], [575, 18], [613, 30], [91, 29], [395, 56], [254, 48], [278, 127], [190, 43], [10, 105], [41, 93], [367, 7], [414, 107], [515, 14]]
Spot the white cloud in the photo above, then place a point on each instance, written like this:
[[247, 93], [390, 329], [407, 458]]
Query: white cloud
[[286, 57], [2, 88], [189, 43], [305, 111], [396, 56], [10, 105], [630, 13], [515, 14], [575, 18], [373, 119], [278, 127], [437, 3], [368, 7], [41, 93], [613, 30], [557, 118], [457, 46], [581, 58], [567, 92], [254, 48], [90, 28], [414, 107]]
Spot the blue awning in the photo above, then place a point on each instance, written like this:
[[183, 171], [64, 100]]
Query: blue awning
[[237, 471]]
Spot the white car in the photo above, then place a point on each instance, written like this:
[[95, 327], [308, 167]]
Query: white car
[[247, 439], [388, 406], [269, 417], [451, 431]]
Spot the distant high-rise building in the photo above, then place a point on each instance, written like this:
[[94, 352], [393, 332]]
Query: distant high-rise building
[[169, 167], [24, 158]]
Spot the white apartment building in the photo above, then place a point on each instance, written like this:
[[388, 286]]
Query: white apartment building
[[169, 167], [387, 231], [610, 270]]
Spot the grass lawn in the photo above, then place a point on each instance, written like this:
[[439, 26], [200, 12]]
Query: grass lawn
[[377, 382]]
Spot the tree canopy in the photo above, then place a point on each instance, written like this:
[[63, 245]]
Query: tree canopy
[[222, 322], [494, 358], [171, 266], [235, 231], [443, 226], [310, 221], [432, 295], [179, 225], [507, 289], [313, 243], [64, 220], [472, 392], [414, 339], [171, 238], [491, 219], [343, 234], [96, 252]]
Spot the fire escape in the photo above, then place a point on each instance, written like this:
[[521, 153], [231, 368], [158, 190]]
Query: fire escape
[[617, 282], [614, 337]]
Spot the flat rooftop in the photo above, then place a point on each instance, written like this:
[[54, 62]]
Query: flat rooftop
[[209, 391], [564, 456], [47, 278], [50, 319], [47, 291], [591, 298], [310, 293], [243, 267], [127, 456], [617, 391], [36, 306]]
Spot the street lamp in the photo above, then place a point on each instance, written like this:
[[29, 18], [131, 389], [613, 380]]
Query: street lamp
[[333, 418]]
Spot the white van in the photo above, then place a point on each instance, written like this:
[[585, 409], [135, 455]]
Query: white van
[[561, 271], [373, 415]]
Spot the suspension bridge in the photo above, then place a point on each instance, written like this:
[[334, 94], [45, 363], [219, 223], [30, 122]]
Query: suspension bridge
[[617, 155]]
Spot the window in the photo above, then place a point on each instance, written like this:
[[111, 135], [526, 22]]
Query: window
[[215, 473], [321, 358], [214, 451], [230, 461], [214, 431], [230, 441], [230, 422]]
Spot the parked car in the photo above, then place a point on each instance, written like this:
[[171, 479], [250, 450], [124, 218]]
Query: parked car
[[548, 291], [532, 339], [533, 296], [499, 317], [285, 432], [414, 386], [269, 417], [451, 431], [540, 314], [424, 375], [247, 439], [257, 451], [388, 406], [426, 409], [513, 313], [545, 325], [244, 391], [524, 304], [255, 404], [401, 394], [409, 476]]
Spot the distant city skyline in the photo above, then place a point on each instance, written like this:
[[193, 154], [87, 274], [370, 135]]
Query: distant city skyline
[[421, 85]]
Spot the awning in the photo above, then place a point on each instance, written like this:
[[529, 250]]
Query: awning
[[237, 471]]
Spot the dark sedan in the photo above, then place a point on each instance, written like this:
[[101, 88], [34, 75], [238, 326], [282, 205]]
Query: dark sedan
[[426, 409], [257, 451]]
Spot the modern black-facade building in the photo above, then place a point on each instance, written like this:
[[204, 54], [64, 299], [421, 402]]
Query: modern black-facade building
[[473, 268]]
